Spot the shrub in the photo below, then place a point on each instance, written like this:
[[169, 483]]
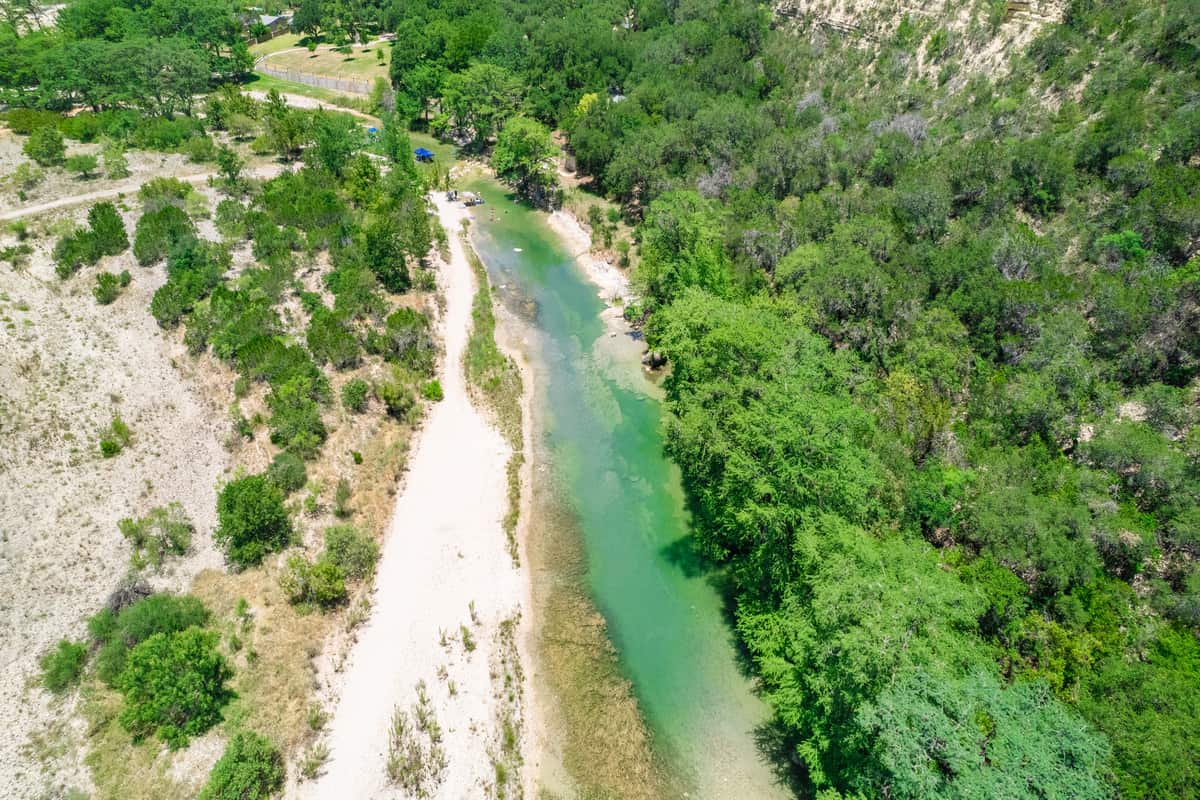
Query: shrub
[[160, 133], [25, 121], [116, 633], [406, 340], [295, 420], [397, 398], [354, 552], [251, 768], [62, 666], [26, 176], [354, 395], [200, 149], [158, 231], [164, 531], [73, 251], [83, 165], [330, 339], [251, 520], [160, 192], [230, 219], [341, 499], [320, 583], [108, 228], [174, 686], [45, 146], [108, 286], [115, 438], [432, 390], [115, 163], [287, 471]]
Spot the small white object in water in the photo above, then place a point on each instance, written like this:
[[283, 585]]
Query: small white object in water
[[516, 249]]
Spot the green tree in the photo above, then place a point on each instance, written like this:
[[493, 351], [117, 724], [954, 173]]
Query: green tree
[[335, 138], [174, 686], [479, 99], [682, 247], [108, 229], [251, 768], [524, 157], [116, 633], [83, 165], [45, 146], [252, 520]]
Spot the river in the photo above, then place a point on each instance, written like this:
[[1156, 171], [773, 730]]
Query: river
[[599, 438]]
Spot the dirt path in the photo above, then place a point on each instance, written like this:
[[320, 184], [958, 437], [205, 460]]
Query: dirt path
[[128, 187], [444, 553]]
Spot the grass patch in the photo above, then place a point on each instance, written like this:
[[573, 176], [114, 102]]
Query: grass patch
[[275, 44], [265, 83], [495, 377], [508, 687], [325, 61]]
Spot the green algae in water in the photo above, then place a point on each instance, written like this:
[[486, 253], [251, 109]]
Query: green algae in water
[[602, 437]]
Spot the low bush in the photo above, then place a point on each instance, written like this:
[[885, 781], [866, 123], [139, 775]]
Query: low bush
[[108, 228], [165, 530], [45, 146], [158, 231], [251, 768], [25, 121], [287, 471], [432, 390], [252, 521], [407, 339], [354, 552], [321, 583], [295, 420], [231, 219], [160, 192], [341, 499], [330, 339], [62, 666], [174, 686], [74, 250], [200, 149], [117, 632], [354, 395], [109, 285], [160, 133], [115, 438], [82, 164], [397, 397]]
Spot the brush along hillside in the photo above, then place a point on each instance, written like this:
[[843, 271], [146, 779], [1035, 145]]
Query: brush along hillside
[[209, 389]]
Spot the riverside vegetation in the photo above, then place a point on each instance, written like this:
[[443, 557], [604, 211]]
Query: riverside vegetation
[[932, 337]]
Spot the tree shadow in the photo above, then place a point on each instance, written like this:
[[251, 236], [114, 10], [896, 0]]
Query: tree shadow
[[778, 751]]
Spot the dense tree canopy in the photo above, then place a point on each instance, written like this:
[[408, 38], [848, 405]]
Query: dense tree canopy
[[933, 335]]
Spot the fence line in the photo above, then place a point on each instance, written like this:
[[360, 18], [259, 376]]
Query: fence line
[[319, 81]]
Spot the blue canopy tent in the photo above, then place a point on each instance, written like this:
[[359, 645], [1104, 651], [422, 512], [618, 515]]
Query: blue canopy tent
[[422, 154]]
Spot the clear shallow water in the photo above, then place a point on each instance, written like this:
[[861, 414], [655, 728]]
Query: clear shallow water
[[602, 438]]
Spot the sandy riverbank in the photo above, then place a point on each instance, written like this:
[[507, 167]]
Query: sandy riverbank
[[445, 588]]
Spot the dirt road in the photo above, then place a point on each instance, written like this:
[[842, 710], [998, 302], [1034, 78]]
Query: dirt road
[[127, 187]]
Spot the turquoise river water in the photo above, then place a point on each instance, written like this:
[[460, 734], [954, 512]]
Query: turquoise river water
[[601, 432]]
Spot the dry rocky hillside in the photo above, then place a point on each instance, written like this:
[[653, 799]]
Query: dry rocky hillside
[[980, 36], [70, 365]]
